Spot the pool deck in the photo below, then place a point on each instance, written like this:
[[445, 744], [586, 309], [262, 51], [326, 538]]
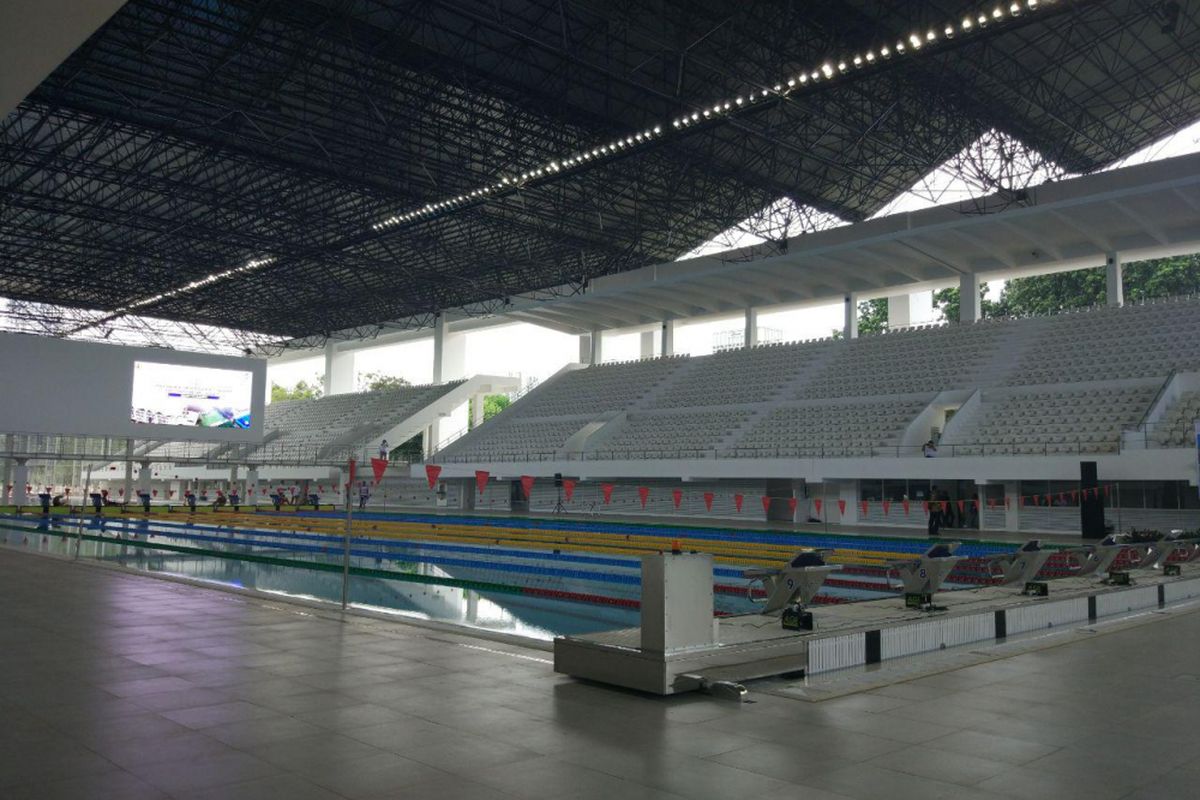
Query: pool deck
[[124, 686]]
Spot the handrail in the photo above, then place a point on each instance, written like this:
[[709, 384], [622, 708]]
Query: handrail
[[1157, 396]]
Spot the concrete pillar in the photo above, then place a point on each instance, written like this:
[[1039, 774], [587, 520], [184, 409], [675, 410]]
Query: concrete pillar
[[905, 309], [127, 486], [1114, 290], [597, 343], [1012, 511], [585, 348], [20, 478], [251, 484], [667, 337], [339, 370], [970, 308], [477, 410], [144, 476], [850, 328], [750, 339], [449, 352], [646, 344]]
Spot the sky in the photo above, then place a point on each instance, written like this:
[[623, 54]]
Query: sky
[[532, 352]]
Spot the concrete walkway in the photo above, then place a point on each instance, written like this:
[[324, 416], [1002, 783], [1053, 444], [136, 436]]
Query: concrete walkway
[[119, 685]]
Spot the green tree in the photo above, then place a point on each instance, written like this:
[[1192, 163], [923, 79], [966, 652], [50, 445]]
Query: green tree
[[873, 316], [376, 381], [949, 302], [303, 390], [493, 404]]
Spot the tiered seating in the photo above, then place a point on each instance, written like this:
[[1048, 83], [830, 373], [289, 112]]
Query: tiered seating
[[1177, 428], [1113, 343], [600, 388], [509, 438], [309, 426], [1055, 421], [1126, 352], [741, 376], [676, 435], [929, 358], [830, 429]]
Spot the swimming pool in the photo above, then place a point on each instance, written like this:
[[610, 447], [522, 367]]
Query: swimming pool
[[530, 578]]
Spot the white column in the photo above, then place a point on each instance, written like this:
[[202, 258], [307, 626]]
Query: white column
[[1114, 290], [850, 328], [900, 310], [970, 309], [597, 342], [339, 370], [251, 484], [449, 352], [144, 475], [667, 337], [585, 348], [20, 477], [127, 486], [646, 343], [1012, 512], [750, 339], [848, 492], [477, 410]]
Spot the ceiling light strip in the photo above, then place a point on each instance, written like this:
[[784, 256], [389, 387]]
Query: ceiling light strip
[[755, 97]]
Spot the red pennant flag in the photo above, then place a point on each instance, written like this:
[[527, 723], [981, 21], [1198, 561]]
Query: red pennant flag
[[792, 504], [121, 492], [527, 485], [644, 494], [1021, 500], [905, 504], [153, 492], [962, 507], [677, 496], [67, 491], [1074, 495], [1007, 503], [607, 490], [431, 471], [568, 488], [817, 505], [708, 500], [887, 506], [737, 501], [766, 501], [842, 507], [925, 505], [1062, 499], [863, 505], [481, 479], [350, 468], [380, 465], [170, 492], [1106, 492]]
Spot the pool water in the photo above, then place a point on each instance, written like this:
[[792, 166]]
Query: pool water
[[535, 593]]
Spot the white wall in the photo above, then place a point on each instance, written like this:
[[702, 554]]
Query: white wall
[[60, 386]]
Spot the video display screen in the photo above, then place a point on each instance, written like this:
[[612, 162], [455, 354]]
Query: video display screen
[[176, 394]]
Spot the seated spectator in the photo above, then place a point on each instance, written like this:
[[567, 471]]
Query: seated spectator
[[929, 449]]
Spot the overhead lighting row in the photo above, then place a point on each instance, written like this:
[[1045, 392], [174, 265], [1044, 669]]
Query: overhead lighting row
[[819, 74], [515, 181], [199, 283]]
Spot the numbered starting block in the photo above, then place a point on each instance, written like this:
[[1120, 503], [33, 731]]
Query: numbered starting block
[[794, 586], [1022, 565], [923, 576]]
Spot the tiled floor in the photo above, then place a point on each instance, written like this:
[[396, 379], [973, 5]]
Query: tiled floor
[[122, 686]]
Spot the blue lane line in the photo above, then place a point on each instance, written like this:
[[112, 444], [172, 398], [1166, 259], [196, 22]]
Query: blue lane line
[[386, 544], [500, 566], [710, 534]]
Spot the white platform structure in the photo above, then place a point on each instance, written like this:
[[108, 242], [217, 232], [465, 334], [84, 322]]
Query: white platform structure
[[699, 650]]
